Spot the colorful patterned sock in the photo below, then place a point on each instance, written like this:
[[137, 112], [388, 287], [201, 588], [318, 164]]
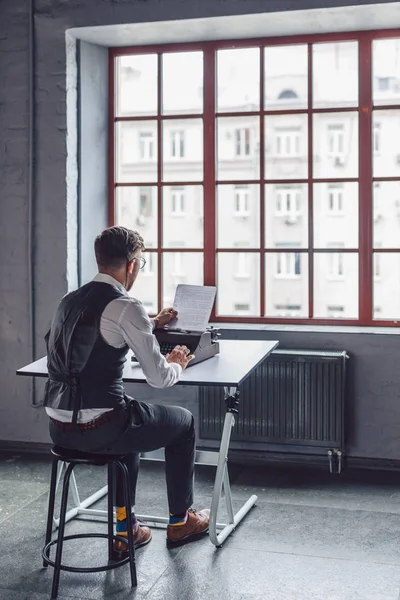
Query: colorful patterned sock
[[121, 520], [178, 519]]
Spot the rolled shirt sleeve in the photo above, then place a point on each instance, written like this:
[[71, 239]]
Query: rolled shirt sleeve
[[137, 330]]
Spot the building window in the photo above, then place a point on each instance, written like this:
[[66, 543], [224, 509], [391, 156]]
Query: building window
[[287, 264], [146, 145], [145, 201], [148, 268], [269, 153], [242, 201], [177, 201], [287, 310], [335, 262], [242, 142], [242, 267], [177, 144], [288, 201], [376, 138], [335, 199], [335, 312], [241, 309], [336, 143], [288, 141]]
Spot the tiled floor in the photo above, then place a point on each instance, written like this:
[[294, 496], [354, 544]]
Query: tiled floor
[[312, 536]]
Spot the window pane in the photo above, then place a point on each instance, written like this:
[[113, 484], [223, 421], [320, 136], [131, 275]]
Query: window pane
[[286, 147], [136, 85], [145, 287], [386, 214], [238, 216], [387, 285], [183, 216], [136, 208], [136, 155], [335, 75], [336, 214], [238, 85], [286, 284], [182, 83], [336, 285], [183, 150], [238, 148], [386, 72], [286, 77], [180, 267], [387, 153], [286, 215], [238, 281], [335, 145]]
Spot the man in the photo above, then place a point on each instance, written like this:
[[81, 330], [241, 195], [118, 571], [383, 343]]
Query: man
[[87, 344]]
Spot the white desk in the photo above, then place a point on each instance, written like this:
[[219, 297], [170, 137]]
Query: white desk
[[236, 361]]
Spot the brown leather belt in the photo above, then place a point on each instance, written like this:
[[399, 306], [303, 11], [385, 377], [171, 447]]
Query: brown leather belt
[[95, 424]]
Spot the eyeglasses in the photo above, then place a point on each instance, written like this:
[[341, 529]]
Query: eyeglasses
[[142, 261]]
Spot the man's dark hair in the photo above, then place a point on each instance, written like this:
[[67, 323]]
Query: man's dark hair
[[116, 246]]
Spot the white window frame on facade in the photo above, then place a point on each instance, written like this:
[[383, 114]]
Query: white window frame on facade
[[242, 141], [177, 201], [287, 310], [288, 201], [241, 201], [145, 201], [178, 270], [178, 144], [286, 262], [241, 312], [336, 140], [288, 141], [377, 263], [148, 269], [146, 145], [335, 199], [376, 137], [335, 266], [335, 311], [242, 266]]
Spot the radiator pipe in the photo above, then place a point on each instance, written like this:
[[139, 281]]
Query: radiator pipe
[[31, 193]]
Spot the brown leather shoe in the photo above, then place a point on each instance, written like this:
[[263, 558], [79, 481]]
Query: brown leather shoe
[[195, 527], [140, 538]]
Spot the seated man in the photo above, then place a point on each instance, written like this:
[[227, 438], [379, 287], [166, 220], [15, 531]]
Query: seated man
[[87, 344]]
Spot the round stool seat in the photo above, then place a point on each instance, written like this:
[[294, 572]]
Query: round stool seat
[[88, 458]]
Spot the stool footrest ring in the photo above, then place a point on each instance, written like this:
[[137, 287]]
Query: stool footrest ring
[[112, 565]]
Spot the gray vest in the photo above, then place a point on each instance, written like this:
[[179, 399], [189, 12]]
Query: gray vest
[[84, 371]]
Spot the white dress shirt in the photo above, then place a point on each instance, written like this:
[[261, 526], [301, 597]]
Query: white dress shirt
[[125, 322]]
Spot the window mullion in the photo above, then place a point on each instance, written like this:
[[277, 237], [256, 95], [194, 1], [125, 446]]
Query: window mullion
[[209, 168], [365, 180]]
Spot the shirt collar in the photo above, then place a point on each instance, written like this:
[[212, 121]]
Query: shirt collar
[[104, 278]]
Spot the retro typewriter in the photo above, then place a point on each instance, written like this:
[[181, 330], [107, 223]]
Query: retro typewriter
[[203, 345]]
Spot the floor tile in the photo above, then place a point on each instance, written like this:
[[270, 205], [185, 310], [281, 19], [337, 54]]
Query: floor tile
[[233, 574]]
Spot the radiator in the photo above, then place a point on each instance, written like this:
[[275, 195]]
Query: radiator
[[294, 400]]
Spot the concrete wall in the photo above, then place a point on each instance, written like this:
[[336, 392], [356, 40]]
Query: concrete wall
[[375, 378]]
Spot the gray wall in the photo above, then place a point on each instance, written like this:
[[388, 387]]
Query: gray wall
[[375, 410]]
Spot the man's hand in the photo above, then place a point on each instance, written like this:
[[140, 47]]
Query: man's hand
[[180, 355], [165, 316]]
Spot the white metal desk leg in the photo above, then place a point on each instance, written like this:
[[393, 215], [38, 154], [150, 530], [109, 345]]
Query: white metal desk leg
[[222, 477]]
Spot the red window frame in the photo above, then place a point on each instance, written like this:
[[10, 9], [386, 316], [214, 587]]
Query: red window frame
[[365, 177]]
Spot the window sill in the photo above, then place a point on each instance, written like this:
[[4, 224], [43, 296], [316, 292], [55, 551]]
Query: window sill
[[177, 214], [242, 276], [241, 214], [279, 328], [278, 276], [335, 278]]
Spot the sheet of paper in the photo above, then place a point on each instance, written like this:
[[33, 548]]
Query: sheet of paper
[[194, 304]]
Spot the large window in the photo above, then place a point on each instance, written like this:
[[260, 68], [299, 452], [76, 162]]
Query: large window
[[258, 149]]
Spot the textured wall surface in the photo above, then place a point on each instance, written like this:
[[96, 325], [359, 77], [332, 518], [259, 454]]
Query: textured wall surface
[[375, 378]]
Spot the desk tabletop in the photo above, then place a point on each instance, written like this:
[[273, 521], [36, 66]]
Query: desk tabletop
[[237, 359]]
